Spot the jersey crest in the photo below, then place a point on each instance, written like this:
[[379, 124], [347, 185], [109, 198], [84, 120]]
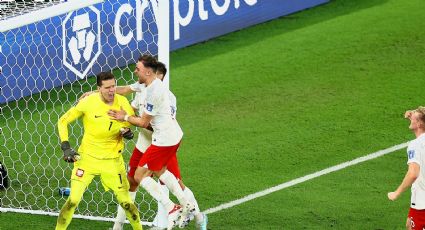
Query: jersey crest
[[411, 154]]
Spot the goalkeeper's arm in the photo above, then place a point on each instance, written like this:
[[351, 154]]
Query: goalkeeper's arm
[[69, 155]]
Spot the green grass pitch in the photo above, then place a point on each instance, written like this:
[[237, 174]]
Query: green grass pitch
[[287, 98]]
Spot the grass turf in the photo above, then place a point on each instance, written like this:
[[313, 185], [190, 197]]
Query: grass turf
[[290, 97]]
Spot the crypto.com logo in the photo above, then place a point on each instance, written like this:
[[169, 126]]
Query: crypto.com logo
[[81, 40]]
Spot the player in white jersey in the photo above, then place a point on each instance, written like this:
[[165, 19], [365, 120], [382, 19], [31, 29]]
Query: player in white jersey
[[415, 176], [173, 166], [166, 139], [143, 142]]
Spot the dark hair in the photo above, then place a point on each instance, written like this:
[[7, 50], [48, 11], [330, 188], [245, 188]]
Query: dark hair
[[161, 68], [103, 76], [149, 61]]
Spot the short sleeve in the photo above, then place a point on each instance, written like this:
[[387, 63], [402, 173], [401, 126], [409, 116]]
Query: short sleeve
[[414, 153], [137, 87], [173, 103], [152, 103], [135, 102]]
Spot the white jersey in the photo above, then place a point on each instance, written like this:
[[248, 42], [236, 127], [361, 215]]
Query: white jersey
[[157, 101], [416, 154], [137, 87], [173, 104], [144, 138]]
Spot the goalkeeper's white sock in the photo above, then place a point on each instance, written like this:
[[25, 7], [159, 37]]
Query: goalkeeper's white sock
[[154, 190], [171, 181], [191, 198], [120, 219], [161, 218]]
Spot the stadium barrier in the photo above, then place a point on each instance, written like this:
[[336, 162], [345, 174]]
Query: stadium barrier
[[109, 33]]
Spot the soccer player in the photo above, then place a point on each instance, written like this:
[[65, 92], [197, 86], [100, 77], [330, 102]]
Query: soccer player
[[415, 176], [166, 137], [143, 142], [100, 152]]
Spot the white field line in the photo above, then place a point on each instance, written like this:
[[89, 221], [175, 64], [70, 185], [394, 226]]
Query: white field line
[[249, 197], [41, 212], [306, 178]]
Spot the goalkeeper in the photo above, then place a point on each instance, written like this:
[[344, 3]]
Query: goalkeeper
[[100, 152]]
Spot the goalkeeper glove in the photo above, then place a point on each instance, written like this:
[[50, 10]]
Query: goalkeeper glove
[[69, 155], [127, 133]]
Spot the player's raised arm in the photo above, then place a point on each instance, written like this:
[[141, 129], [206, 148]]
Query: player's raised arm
[[121, 90], [124, 90]]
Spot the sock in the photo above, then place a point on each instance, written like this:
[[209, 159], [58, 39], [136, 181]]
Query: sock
[[161, 218], [120, 219], [191, 198], [173, 185], [154, 190]]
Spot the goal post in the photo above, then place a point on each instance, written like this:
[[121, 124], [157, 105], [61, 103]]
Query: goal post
[[46, 62], [31, 13]]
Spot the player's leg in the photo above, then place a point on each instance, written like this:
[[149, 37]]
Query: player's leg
[[79, 182], [408, 224], [200, 218], [113, 176], [134, 160], [153, 188], [121, 215], [149, 184], [415, 219], [173, 185], [130, 208], [165, 154], [153, 160], [158, 165], [161, 217], [133, 164]]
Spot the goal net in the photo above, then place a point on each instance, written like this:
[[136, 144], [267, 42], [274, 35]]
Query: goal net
[[49, 51]]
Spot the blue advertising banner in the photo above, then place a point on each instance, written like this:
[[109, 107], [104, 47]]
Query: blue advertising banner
[[70, 47], [196, 21]]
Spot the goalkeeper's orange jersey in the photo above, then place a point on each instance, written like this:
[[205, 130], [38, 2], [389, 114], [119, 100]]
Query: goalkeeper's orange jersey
[[102, 138]]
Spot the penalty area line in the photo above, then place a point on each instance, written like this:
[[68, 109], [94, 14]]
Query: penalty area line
[[306, 178]]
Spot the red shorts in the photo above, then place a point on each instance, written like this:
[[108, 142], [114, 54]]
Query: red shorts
[[417, 219], [172, 166], [134, 161], [157, 157]]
